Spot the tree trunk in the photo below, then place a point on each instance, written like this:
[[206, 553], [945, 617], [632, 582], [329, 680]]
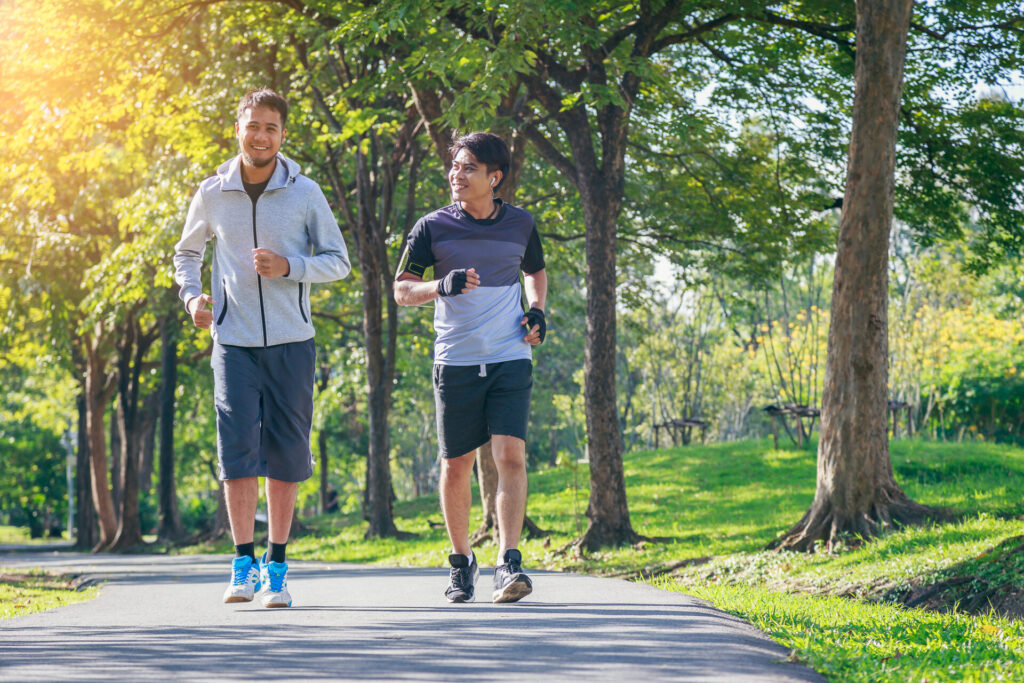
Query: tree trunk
[[88, 533], [856, 492], [321, 441], [113, 424], [487, 478], [96, 406], [379, 512], [148, 417], [607, 511], [170, 528], [378, 508], [131, 351], [221, 523]]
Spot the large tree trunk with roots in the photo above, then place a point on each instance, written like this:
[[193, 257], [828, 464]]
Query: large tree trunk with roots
[[170, 527], [856, 491], [608, 510]]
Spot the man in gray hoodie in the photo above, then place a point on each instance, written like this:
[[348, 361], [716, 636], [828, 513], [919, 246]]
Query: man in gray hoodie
[[273, 236]]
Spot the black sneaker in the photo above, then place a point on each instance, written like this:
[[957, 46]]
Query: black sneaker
[[510, 581], [462, 584]]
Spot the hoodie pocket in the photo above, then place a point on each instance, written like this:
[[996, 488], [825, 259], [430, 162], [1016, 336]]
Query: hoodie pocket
[[302, 310], [224, 309]]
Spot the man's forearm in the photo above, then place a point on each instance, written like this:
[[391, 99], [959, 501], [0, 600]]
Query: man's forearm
[[415, 292], [536, 286]]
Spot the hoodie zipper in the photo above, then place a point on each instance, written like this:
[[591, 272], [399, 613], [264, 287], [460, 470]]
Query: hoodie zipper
[[302, 310], [259, 278]]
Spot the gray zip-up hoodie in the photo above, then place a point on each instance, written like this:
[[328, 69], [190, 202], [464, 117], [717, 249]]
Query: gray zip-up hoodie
[[292, 219]]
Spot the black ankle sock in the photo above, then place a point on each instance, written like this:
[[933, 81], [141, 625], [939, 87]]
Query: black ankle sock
[[246, 550], [277, 551]]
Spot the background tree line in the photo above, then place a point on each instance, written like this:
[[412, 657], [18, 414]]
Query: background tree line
[[686, 162]]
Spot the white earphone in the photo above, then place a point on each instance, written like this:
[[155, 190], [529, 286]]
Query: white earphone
[[492, 181]]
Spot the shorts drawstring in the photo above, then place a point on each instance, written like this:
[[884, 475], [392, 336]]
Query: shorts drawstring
[[483, 370]]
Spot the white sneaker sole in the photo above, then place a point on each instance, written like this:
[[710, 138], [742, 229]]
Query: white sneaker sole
[[228, 599], [276, 603], [517, 590]]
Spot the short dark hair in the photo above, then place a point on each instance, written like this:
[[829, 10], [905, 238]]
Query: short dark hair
[[263, 97], [488, 148]]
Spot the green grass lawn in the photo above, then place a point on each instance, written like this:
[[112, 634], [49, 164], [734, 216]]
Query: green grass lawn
[[17, 535], [29, 592], [722, 504]]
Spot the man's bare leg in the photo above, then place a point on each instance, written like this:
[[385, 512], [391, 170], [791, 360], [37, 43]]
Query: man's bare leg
[[280, 508], [510, 581], [510, 500], [241, 496], [456, 499]]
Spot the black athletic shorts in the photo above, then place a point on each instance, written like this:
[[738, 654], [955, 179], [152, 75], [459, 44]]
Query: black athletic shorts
[[264, 399], [475, 401]]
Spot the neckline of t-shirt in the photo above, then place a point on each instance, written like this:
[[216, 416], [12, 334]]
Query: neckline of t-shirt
[[259, 187], [483, 221]]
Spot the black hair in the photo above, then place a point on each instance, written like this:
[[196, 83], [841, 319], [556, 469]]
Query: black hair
[[264, 97], [489, 149]]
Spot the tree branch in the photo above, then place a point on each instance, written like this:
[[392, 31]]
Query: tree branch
[[1015, 24], [547, 149], [693, 32], [827, 31]]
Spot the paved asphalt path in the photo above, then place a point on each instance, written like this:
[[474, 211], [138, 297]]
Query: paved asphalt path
[[160, 617]]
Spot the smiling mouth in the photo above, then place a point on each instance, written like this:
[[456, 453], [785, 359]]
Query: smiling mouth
[[260, 149]]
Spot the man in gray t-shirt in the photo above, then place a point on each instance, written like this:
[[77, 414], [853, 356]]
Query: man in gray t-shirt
[[483, 370]]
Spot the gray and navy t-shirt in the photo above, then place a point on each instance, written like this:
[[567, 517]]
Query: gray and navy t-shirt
[[481, 326]]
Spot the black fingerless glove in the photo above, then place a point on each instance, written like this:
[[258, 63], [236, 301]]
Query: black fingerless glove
[[453, 283], [535, 316]]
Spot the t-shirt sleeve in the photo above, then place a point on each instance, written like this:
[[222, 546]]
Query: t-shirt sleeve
[[418, 256], [533, 259]]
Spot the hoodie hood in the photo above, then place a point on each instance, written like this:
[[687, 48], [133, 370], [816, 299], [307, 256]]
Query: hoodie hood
[[230, 173]]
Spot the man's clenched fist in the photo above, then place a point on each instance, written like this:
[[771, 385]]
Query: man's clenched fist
[[269, 264], [201, 316]]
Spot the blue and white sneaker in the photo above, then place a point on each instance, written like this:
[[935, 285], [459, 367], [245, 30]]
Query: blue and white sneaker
[[274, 577], [245, 580]]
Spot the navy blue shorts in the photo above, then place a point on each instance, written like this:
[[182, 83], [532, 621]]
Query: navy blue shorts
[[473, 402], [264, 399]]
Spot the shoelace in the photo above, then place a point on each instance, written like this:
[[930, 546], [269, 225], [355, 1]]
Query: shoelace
[[460, 578], [241, 575], [276, 581]]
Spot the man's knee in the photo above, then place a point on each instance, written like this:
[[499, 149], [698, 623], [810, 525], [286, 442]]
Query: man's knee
[[509, 453], [461, 466]]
